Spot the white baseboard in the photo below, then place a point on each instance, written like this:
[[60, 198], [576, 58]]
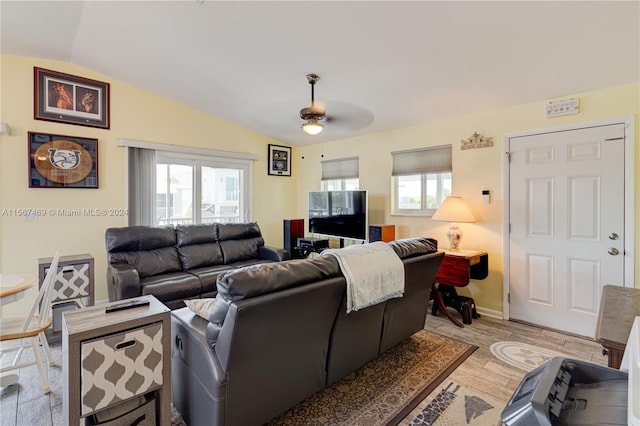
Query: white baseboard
[[489, 312]]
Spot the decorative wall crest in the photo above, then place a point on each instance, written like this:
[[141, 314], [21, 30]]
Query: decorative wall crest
[[476, 141]]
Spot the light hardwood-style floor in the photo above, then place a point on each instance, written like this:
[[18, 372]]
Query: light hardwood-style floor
[[485, 373], [24, 404]]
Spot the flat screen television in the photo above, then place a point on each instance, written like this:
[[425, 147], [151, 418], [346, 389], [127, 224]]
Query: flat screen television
[[341, 214]]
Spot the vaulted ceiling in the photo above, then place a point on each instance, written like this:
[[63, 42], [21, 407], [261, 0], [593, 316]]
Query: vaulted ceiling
[[382, 64]]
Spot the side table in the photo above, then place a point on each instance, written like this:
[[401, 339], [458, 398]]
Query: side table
[[74, 279], [618, 309], [73, 287], [113, 359], [458, 267]]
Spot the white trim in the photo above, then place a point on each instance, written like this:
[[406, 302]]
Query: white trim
[[629, 196], [132, 143], [506, 222], [489, 312]]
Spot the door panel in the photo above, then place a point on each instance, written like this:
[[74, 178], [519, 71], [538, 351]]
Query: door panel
[[566, 198]]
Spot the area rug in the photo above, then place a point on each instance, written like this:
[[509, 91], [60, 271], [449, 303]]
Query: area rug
[[386, 390], [456, 405], [521, 355]]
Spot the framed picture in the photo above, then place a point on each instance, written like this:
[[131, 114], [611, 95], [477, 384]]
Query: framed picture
[[57, 161], [279, 160], [70, 99]]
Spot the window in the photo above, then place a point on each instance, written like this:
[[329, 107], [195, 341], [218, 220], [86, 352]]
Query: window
[[341, 174], [189, 185], [174, 192], [195, 189], [421, 180]]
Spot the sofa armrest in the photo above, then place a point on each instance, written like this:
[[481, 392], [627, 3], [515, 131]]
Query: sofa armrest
[[123, 282], [198, 382], [272, 253]]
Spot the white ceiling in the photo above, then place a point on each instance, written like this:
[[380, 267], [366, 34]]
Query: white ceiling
[[383, 64]]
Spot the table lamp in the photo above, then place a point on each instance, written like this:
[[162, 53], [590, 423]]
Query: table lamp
[[454, 210]]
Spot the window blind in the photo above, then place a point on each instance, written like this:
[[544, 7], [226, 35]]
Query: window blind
[[342, 168], [422, 161], [142, 186]]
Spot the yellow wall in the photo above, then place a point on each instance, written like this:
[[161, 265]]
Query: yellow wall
[[139, 115], [474, 170], [135, 114]]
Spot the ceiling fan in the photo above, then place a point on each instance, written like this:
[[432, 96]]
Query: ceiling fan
[[313, 115]]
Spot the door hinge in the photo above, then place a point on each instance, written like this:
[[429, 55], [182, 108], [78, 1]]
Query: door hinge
[[508, 154], [509, 228], [508, 297]]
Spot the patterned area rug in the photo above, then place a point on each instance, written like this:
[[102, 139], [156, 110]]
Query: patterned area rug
[[176, 418], [455, 405], [385, 390], [522, 356]]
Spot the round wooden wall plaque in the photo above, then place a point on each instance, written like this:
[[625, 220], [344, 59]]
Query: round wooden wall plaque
[[63, 161]]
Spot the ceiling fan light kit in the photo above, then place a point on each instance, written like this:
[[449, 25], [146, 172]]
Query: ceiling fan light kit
[[312, 127], [313, 114]]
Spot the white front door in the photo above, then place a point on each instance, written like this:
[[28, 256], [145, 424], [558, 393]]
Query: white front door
[[566, 210]]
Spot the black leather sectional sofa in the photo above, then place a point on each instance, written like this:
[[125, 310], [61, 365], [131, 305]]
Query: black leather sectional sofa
[[280, 332], [175, 264]]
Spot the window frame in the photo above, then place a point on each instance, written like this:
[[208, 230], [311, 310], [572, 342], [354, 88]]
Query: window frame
[[423, 163], [198, 161], [423, 210], [340, 184]]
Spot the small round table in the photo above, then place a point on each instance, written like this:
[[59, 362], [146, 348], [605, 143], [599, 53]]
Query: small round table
[[14, 287]]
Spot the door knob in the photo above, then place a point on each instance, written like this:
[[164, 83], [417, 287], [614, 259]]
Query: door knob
[[613, 236], [613, 251]]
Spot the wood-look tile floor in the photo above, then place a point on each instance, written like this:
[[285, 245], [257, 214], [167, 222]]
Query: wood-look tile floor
[[483, 373], [24, 404]]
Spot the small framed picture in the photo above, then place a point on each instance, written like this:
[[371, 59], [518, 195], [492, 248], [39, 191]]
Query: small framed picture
[[57, 161], [70, 99], [279, 160]]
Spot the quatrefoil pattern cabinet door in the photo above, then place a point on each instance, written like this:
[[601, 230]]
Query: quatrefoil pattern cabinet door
[[120, 366], [74, 279]]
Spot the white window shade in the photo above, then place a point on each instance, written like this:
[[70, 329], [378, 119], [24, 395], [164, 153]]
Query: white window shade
[[422, 161], [343, 168]]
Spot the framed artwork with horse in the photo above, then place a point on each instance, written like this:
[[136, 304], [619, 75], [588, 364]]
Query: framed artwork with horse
[[70, 99]]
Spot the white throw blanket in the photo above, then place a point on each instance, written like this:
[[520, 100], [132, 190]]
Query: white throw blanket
[[374, 273]]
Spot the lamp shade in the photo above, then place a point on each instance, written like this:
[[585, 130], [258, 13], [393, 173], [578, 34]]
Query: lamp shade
[[453, 209], [312, 127]]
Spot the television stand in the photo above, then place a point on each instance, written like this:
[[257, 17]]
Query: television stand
[[306, 246]]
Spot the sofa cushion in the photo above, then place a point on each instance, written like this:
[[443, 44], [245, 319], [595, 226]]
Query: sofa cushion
[[172, 286], [208, 276], [199, 255], [200, 307], [266, 278], [410, 247], [238, 231], [196, 234], [139, 238], [248, 262], [150, 262], [237, 250], [198, 245]]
